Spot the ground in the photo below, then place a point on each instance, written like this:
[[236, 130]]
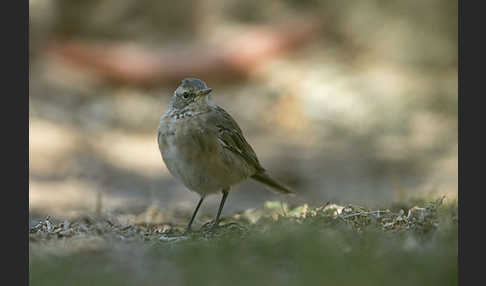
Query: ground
[[409, 243]]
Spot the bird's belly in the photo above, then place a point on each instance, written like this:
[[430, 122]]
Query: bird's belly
[[200, 163]]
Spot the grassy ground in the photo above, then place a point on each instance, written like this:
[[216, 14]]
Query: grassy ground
[[412, 243]]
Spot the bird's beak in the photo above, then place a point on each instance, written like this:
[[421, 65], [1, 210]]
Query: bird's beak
[[205, 91]]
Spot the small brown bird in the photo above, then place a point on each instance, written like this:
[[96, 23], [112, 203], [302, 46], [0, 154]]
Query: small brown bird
[[203, 146]]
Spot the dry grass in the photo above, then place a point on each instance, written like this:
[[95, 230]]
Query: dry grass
[[413, 243]]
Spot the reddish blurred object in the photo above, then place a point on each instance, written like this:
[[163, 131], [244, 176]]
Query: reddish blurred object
[[233, 59]]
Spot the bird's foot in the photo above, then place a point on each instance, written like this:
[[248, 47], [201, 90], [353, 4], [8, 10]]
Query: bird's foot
[[210, 226], [187, 231], [230, 227]]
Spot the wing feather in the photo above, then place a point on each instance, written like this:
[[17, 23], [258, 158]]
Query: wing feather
[[231, 137]]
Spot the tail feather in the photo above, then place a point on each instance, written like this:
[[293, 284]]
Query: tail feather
[[267, 180]]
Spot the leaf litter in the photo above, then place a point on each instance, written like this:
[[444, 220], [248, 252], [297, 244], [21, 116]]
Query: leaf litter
[[417, 219]]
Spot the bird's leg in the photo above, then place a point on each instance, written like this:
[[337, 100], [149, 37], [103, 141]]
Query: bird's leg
[[223, 199], [194, 214]]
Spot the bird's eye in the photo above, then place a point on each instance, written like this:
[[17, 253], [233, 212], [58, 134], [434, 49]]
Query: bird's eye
[[185, 94]]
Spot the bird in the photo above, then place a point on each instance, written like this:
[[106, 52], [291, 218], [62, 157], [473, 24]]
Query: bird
[[203, 146]]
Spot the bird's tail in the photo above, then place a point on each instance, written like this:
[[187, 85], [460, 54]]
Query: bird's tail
[[264, 178]]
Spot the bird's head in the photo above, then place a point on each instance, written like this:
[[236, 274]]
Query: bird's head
[[191, 92]]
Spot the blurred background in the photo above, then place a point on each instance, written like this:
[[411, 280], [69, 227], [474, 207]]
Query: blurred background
[[352, 102]]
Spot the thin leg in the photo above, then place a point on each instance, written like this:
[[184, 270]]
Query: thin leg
[[194, 214], [221, 205]]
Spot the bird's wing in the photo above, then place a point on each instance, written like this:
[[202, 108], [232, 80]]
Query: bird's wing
[[231, 137]]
